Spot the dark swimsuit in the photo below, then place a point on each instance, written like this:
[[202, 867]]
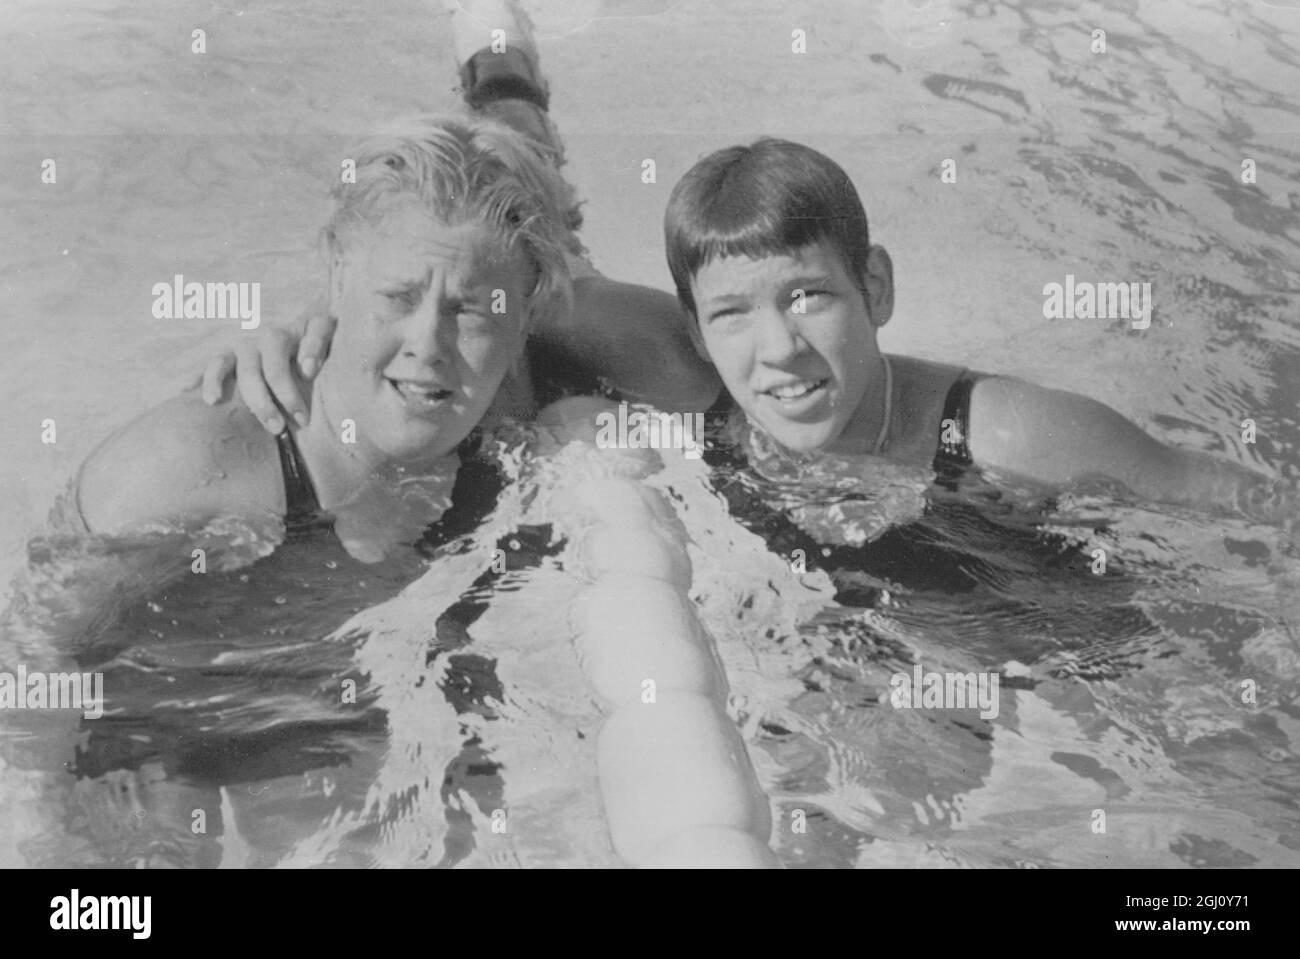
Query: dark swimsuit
[[301, 505], [478, 483], [903, 554], [479, 479], [950, 459], [953, 459]]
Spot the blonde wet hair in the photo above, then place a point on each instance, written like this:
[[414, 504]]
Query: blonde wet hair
[[466, 169]]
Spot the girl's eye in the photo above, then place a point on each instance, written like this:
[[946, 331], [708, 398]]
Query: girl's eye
[[472, 311], [406, 297], [801, 299], [728, 317], [729, 323], [813, 301]]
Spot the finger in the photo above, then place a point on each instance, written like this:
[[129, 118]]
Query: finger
[[253, 388], [215, 375], [277, 371], [315, 345]]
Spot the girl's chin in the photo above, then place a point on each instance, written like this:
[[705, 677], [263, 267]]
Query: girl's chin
[[801, 437], [421, 448]]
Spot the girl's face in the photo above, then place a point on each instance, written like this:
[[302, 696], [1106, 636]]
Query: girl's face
[[793, 340], [431, 318]]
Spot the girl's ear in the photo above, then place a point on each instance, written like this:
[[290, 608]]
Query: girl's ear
[[878, 285]]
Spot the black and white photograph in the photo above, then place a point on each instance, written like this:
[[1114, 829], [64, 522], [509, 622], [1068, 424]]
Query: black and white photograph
[[686, 434]]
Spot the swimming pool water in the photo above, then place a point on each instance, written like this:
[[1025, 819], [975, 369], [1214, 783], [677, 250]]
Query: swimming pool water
[[1121, 692]]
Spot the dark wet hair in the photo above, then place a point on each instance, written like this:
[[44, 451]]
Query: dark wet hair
[[765, 199]]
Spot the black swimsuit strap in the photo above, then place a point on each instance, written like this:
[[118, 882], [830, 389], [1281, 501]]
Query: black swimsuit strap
[[302, 507], [953, 456]]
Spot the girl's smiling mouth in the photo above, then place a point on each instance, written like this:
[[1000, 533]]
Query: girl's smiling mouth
[[419, 395], [792, 392], [799, 401]]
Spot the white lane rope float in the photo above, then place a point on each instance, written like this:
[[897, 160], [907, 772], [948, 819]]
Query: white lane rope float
[[677, 785]]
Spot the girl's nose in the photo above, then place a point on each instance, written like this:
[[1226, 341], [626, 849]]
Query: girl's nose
[[778, 336], [431, 331]]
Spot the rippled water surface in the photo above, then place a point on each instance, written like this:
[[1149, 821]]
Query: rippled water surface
[[1121, 692]]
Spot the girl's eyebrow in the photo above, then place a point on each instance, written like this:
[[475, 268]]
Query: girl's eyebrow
[[401, 277], [805, 280], [726, 299], [457, 287]]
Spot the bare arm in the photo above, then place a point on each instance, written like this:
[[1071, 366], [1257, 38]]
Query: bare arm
[[632, 336], [1059, 438], [636, 338], [180, 463]]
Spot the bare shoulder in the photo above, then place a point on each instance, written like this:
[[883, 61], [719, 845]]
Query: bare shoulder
[[1009, 407], [1052, 435], [1011, 421], [182, 461], [998, 399]]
